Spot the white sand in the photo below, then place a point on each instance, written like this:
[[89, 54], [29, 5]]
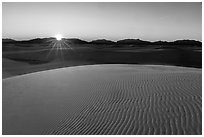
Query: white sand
[[104, 99]]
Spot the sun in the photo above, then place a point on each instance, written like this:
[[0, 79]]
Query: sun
[[58, 37]]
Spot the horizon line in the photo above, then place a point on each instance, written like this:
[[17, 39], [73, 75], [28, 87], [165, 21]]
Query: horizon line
[[101, 39]]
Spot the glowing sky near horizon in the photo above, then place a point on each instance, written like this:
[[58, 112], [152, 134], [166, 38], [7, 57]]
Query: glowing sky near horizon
[[113, 21]]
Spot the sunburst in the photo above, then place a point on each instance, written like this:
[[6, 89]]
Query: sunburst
[[58, 43], [58, 37]]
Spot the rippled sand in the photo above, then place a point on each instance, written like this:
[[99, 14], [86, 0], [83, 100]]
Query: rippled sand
[[104, 99]]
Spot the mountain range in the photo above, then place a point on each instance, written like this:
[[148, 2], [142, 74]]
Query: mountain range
[[109, 42]]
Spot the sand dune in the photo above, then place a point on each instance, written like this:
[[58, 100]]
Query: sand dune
[[104, 99]]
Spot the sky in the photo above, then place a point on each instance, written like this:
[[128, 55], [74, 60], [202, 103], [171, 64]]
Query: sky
[[112, 21]]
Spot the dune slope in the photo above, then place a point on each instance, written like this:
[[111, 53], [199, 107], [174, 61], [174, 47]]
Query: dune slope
[[104, 99]]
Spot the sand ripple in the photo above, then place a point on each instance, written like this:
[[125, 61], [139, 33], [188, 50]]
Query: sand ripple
[[106, 99]]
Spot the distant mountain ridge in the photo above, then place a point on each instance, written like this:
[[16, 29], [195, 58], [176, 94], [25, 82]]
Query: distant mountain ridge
[[76, 41], [8, 40], [109, 42], [133, 41], [102, 41]]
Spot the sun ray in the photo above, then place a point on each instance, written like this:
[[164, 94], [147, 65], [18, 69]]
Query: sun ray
[[53, 46], [67, 45], [58, 45]]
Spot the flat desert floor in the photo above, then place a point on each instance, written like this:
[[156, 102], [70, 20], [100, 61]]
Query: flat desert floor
[[104, 99]]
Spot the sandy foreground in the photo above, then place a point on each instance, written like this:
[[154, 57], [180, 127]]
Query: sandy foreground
[[104, 99]]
